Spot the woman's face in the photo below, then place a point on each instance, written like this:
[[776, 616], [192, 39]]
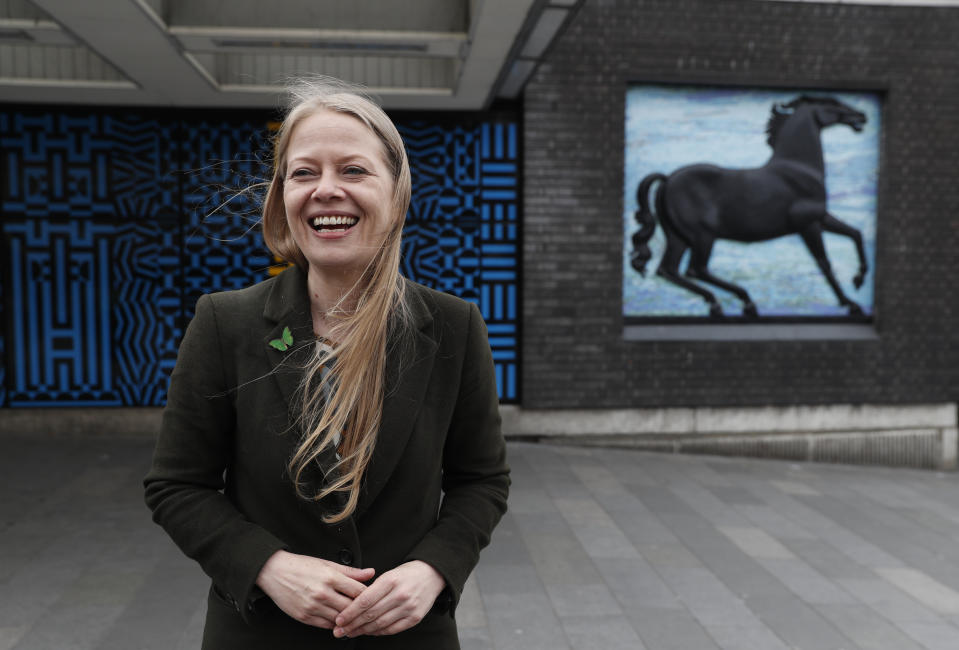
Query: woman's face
[[337, 192]]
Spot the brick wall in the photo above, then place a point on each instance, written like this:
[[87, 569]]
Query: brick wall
[[573, 346]]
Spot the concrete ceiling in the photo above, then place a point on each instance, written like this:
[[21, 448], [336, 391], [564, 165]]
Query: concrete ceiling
[[413, 54]]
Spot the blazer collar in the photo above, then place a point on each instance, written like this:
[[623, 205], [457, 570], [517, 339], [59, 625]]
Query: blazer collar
[[409, 364], [288, 305]]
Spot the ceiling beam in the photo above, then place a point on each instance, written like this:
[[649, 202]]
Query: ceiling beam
[[126, 36], [494, 27]]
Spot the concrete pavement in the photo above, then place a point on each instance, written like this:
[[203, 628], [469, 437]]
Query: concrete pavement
[[602, 548]]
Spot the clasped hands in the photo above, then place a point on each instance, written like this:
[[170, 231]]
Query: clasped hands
[[334, 597]]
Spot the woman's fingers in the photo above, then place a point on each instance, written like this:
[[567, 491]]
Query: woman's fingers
[[396, 601], [320, 616], [350, 580], [311, 590], [362, 613]]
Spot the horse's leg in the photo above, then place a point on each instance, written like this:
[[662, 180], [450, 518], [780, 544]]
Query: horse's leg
[[812, 236], [698, 262], [834, 225], [669, 270]]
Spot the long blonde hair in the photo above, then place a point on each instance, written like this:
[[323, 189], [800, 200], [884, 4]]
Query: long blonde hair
[[355, 384]]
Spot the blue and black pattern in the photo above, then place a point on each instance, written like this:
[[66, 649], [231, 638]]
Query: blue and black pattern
[[59, 299], [115, 223], [146, 289], [462, 233], [55, 165], [147, 308], [81, 323], [142, 163], [222, 161]]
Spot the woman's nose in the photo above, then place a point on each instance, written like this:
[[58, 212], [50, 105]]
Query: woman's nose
[[327, 188]]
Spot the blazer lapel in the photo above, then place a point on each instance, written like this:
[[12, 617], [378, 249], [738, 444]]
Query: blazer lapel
[[408, 369], [288, 305]]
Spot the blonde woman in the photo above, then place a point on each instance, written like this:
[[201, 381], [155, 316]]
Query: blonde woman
[[331, 450]]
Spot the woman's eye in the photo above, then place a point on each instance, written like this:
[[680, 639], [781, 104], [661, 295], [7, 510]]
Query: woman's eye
[[353, 170], [299, 173]]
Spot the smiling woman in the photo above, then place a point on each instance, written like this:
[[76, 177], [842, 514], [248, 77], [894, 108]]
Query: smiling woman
[[331, 450], [336, 191]]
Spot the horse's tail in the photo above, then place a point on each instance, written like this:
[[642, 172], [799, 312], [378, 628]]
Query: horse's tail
[[646, 220]]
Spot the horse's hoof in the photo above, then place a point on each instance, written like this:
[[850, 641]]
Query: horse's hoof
[[715, 311], [854, 309], [858, 280], [639, 267], [749, 310]]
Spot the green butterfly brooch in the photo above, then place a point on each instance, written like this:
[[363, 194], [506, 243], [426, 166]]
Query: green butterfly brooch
[[284, 342]]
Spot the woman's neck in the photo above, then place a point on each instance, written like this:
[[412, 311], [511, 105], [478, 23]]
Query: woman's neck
[[329, 299]]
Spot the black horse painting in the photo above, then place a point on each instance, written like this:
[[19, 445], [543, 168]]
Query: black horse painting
[[698, 204]]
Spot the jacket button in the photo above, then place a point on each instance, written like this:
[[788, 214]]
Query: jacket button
[[346, 556]]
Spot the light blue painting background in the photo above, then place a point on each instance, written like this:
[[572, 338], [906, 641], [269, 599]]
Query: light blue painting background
[[668, 127]]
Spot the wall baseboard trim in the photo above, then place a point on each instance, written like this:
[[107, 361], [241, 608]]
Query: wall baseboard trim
[[917, 435], [104, 422]]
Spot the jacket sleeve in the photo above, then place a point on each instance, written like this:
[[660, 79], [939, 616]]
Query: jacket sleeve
[[475, 472], [184, 487]]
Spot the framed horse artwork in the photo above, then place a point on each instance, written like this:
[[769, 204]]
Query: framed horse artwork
[[746, 205]]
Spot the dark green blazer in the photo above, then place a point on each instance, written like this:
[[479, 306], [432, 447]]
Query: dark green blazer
[[435, 487]]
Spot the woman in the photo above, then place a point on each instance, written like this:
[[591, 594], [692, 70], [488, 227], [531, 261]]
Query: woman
[[330, 450]]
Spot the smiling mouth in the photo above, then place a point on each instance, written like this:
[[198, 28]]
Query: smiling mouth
[[332, 223]]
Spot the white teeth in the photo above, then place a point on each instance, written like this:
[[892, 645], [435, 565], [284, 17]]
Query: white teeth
[[334, 221]]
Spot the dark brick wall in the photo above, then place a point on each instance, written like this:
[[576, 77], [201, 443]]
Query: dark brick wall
[[573, 347]]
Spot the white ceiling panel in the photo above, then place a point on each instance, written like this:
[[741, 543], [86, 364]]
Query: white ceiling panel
[[414, 54], [384, 15]]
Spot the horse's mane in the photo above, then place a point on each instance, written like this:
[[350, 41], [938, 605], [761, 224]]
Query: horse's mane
[[782, 112]]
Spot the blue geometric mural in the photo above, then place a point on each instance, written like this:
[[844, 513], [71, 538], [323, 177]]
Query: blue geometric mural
[[59, 303], [462, 230], [113, 224], [83, 197], [147, 307], [223, 246]]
